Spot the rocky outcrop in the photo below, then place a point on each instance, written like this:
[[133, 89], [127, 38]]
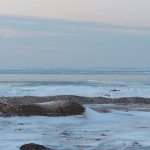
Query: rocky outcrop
[[54, 108], [62, 105], [78, 99], [33, 146]]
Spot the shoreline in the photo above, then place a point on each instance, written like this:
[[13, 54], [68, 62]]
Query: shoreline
[[74, 98], [66, 105], [115, 124]]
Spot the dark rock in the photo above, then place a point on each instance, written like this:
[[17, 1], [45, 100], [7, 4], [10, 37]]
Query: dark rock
[[18, 129], [33, 146], [107, 95], [65, 134], [97, 139], [77, 99], [62, 105], [70, 108], [56, 108], [20, 124], [103, 134], [115, 90]]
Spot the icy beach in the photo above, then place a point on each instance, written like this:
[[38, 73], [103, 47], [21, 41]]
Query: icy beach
[[116, 117], [116, 130]]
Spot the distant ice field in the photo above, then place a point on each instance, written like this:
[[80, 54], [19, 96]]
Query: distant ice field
[[93, 84]]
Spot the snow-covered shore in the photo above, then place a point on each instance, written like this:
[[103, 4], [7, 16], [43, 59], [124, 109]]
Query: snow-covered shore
[[119, 130]]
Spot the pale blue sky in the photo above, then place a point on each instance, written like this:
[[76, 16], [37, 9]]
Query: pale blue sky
[[37, 42], [124, 12], [95, 33]]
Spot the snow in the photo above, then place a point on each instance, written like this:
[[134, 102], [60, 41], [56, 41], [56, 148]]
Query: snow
[[87, 88], [117, 129]]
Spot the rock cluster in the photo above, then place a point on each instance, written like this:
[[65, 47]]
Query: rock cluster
[[61, 105], [57, 108]]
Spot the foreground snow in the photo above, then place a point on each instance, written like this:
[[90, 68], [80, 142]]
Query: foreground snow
[[93, 130]]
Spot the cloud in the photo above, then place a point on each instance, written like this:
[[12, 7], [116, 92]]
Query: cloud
[[7, 33], [31, 27], [11, 33], [53, 42], [108, 28], [125, 31]]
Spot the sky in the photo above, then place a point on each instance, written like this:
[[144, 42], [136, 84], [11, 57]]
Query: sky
[[123, 12], [74, 33]]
